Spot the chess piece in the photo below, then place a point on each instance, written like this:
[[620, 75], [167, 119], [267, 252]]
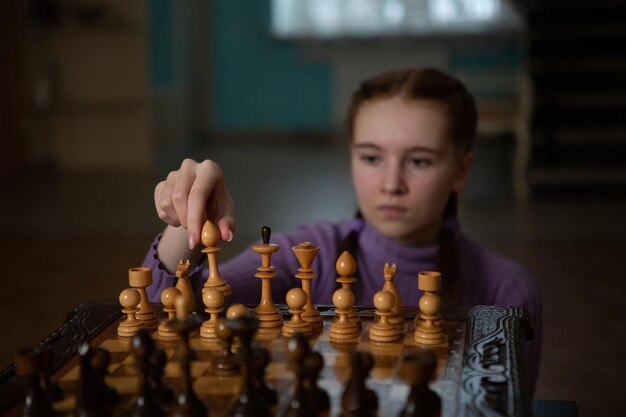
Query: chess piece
[[418, 369], [130, 299], [145, 403], [100, 362], [266, 312], [186, 402], [314, 364], [237, 310], [168, 299], [395, 318], [358, 400], [305, 253], [296, 300], [184, 286], [210, 239], [92, 394], [249, 401], [224, 364], [139, 279], [51, 388], [163, 394], [28, 364], [429, 333], [343, 330], [383, 330], [346, 268], [213, 300], [260, 361], [300, 404]]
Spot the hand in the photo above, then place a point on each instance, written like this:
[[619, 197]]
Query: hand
[[192, 194]]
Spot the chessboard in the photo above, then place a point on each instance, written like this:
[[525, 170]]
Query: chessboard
[[479, 371]]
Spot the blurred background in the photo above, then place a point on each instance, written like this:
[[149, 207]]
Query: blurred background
[[100, 99]]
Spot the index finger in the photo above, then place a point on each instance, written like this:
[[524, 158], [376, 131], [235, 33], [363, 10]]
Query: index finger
[[209, 177]]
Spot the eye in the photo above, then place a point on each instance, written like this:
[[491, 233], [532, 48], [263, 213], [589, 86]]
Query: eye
[[370, 159], [419, 162]]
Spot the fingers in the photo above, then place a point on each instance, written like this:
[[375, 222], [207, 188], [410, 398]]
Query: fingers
[[226, 221], [163, 201], [194, 193], [203, 196]]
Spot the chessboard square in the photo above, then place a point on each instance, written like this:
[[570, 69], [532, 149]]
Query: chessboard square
[[113, 367], [128, 360], [124, 384], [267, 335], [210, 345], [336, 359], [196, 344], [199, 368], [72, 374], [398, 392], [217, 385], [172, 370], [384, 349], [278, 370], [124, 370], [279, 344], [65, 406], [115, 345], [382, 374]]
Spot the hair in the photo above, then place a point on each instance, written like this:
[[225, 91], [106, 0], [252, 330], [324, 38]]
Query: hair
[[430, 84]]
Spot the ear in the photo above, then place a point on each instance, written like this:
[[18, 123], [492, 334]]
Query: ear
[[462, 176]]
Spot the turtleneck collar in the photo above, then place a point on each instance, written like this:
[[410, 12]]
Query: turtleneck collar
[[376, 245]]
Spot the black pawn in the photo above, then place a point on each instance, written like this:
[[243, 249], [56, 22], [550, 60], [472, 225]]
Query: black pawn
[[314, 363], [187, 403], [224, 364], [145, 404], [100, 361], [28, 365], [164, 394], [418, 369], [261, 359], [249, 402], [92, 394], [51, 388], [300, 404], [358, 400]]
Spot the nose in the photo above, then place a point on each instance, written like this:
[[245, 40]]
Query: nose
[[393, 182]]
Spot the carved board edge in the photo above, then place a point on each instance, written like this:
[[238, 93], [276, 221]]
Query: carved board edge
[[493, 378], [81, 325]]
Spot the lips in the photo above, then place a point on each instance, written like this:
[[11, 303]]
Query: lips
[[391, 211]]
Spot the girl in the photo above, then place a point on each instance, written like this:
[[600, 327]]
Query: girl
[[411, 133]]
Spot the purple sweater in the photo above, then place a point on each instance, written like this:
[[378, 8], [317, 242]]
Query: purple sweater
[[494, 279]]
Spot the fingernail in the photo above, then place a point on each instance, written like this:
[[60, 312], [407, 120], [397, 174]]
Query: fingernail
[[230, 236], [192, 240]]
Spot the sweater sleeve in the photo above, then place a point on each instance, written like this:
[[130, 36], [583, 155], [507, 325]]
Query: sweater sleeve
[[162, 278]]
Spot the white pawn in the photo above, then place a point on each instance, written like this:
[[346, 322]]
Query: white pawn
[[130, 299], [213, 299], [296, 300], [383, 330], [168, 299], [343, 330]]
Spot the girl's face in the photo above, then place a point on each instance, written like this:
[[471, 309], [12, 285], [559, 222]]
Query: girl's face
[[404, 167]]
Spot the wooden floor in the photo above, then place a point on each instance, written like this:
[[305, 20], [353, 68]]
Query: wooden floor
[[67, 238]]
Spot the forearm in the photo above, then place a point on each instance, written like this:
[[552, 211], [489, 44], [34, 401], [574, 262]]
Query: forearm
[[174, 246]]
